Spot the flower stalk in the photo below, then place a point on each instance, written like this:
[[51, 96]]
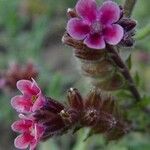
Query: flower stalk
[[125, 71], [129, 6]]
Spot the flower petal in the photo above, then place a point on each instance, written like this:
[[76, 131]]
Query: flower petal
[[86, 9], [21, 104], [27, 87], [113, 34], [95, 41], [77, 28], [40, 101], [23, 141], [39, 130], [109, 12], [21, 126], [26, 117], [33, 144]]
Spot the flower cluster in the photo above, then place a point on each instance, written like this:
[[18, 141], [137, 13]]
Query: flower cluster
[[42, 117], [27, 103], [16, 72], [93, 31], [97, 26]]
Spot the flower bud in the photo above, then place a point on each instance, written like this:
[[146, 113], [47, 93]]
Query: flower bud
[[119, 130], [17, 72], [75, 100], [127, 23]]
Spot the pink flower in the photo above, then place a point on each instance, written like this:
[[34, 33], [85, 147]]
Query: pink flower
[[95, 25], [30, 133], [31, 98]]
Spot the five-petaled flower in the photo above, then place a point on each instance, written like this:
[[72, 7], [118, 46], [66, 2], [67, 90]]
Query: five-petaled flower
[[96, 26], [30, 133], [31, 98]]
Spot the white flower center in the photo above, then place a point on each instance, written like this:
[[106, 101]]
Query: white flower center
[[96, 27]]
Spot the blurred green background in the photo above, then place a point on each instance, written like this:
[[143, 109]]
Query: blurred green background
[[32, 30]]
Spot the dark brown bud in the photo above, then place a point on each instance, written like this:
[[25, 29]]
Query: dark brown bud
[[119, 130], [127, 23], [93, 100], [106, 122], [90, 117], [92, 108], [72, 114], [109, 105], [75, 100], [127, 42]]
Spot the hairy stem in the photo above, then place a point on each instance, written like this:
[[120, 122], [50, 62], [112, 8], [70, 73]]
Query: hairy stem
[[124, 70], [128, 7]]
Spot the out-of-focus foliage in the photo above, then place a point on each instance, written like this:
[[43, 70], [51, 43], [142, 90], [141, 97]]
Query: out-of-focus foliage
[[32, 29]]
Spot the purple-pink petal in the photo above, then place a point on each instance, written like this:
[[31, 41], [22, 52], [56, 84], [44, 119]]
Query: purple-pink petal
[[21, 103], [77, 28], [39, 130], [21, 126], [33, 144], [86, 9], [109, 12], [95, 41], [113, 34], [28, 87], [23, 141], [40, 101]]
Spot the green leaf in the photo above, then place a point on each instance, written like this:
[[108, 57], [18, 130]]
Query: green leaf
[[145, 101], [129, 62], [137, 78]]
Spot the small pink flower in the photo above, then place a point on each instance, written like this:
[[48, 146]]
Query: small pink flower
[[31, 98], [95, 25], [30, 133]]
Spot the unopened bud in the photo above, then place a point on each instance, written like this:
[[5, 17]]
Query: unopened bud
[[127, 24], [75, 100], [71, 13]]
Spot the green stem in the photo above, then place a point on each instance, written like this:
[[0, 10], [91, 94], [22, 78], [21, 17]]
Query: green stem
[[81, 144], [143, 33], [125, 72], [129, 6]]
